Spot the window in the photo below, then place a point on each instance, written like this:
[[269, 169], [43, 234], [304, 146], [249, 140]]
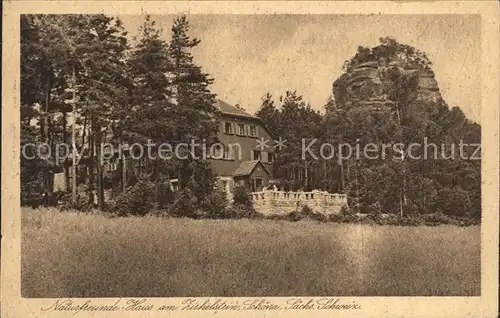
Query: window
[[253, 132], [228, 128], [270, 157], [256, 155], [258, 184], [216, 151], [241, 129], [228, 153]]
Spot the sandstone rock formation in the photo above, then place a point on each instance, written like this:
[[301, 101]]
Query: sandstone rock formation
[[368, 83]]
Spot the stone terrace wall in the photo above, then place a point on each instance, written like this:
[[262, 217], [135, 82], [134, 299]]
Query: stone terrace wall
[[280, 202]]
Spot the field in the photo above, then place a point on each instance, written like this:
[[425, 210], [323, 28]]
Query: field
[[78, 255]]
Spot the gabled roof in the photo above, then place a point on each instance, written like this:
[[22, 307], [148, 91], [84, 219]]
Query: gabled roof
[[230, 110], [225, 108], [246, 168]]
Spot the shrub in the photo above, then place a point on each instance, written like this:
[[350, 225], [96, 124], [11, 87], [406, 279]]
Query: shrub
[[294, 216], [338, 218], [454, 201], [241, 196], [410, 221], [305, 212], [239, 211], [137, 200], [214, 205], [185, 205], [434, 219], [344, 210], [83, 202], [374, 208], [385, 219], [31, 191], [164, 194]]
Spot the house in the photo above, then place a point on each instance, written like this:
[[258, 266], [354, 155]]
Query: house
[[243, 161], [236, 159]]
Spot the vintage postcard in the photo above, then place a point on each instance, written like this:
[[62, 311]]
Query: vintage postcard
[[254, 159]]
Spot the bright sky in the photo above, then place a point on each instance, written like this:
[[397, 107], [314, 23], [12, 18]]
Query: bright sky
[[249, 55]]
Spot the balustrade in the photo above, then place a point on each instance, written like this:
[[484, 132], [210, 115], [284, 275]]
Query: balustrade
[[272, 195]]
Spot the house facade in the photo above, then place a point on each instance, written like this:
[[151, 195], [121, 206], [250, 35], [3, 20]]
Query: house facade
[[237, 158], [242, 162]]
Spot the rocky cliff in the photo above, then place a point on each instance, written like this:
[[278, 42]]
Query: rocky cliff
[[369, 83]]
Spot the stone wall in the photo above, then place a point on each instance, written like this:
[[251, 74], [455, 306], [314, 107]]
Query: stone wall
[[269, 202]]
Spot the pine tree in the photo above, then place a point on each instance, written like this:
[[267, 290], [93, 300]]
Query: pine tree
[[150, 115], [268, 112], [150, 112], [196, 111], [294, 121], [102, 81]]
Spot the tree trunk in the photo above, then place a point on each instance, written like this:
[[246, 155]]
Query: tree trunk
[[65, 141], [100, 185], [402, 192], [74, 168], [357, 191], [44, 126], [90, 162], [124, 174], [84, 131], [341, 164], [306, 177], [342, 185], [400, 203], [50, 141]]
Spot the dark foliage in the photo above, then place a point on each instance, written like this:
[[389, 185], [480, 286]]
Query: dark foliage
[[185, 205], [242, 196], [239, 211], [137, 200], [214, 205]]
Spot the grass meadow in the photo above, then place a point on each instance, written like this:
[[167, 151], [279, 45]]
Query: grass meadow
[[80, 255]]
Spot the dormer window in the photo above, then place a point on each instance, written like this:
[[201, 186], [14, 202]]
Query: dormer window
[[228, 128]]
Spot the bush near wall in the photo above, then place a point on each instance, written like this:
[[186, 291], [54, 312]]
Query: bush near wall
[[242, 196], [240, 211]]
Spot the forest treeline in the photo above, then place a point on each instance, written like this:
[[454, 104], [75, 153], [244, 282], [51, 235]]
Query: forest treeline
[[440, 180], [140, 90]]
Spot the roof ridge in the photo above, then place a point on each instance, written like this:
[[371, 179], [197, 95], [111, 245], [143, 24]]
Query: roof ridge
[[229, 109], [246, 167]]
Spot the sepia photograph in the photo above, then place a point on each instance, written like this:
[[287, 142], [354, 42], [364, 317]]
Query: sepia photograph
[[249, 157]]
